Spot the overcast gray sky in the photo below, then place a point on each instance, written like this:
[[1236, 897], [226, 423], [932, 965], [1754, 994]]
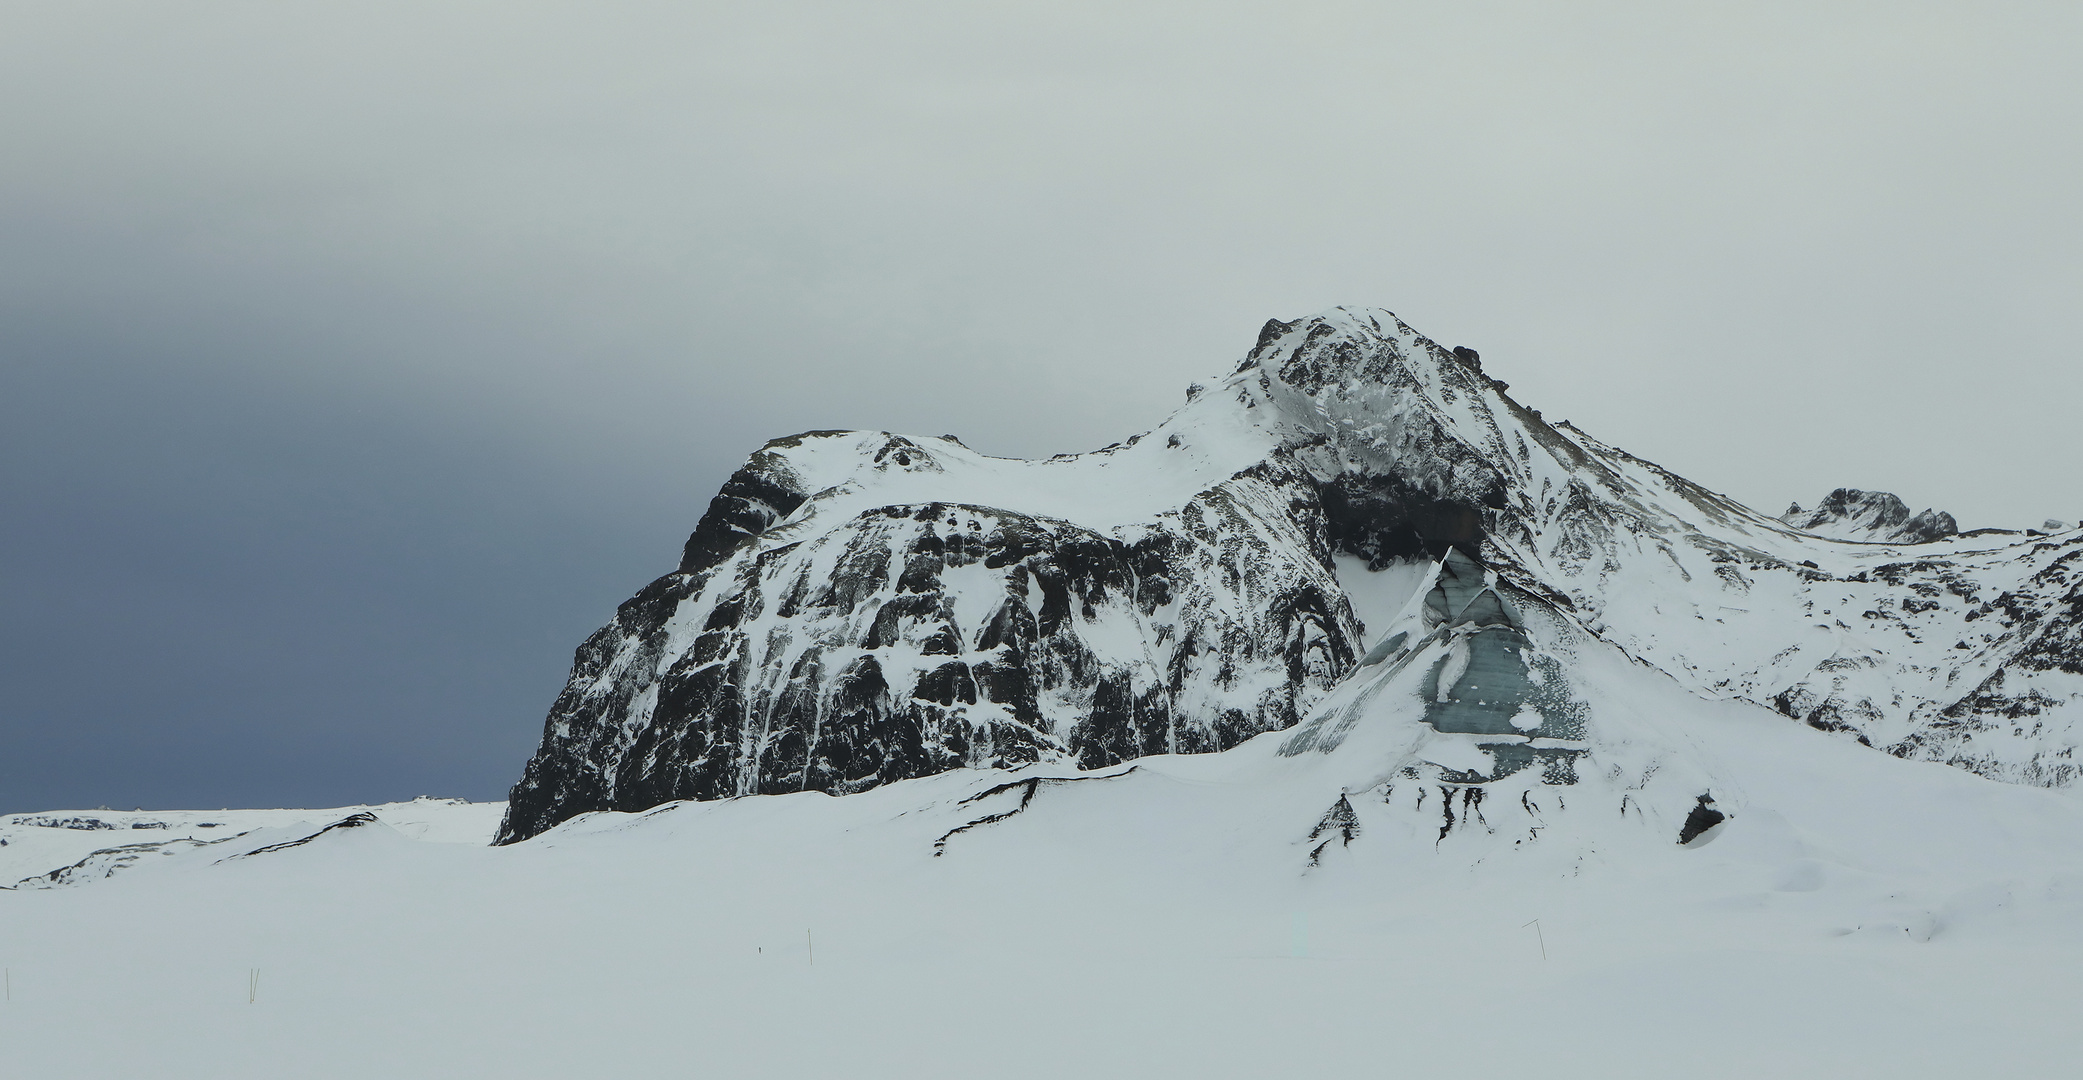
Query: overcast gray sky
[[357, 358]]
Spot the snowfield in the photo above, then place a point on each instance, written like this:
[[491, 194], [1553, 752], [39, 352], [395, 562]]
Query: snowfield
[[1859, 916]]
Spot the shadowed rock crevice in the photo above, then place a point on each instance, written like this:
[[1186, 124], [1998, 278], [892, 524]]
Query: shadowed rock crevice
[[1384, 518]]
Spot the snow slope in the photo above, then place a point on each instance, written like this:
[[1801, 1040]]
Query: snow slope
[[1858, 915], [70, 847]]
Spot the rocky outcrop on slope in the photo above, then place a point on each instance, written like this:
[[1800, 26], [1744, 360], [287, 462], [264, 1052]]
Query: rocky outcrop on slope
[[818, 638], [1871, 516], [861, 607], [926, 637]]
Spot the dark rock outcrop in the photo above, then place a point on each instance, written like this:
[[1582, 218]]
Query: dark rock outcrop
[[1703, 817], [923, 638], [1871, 516]]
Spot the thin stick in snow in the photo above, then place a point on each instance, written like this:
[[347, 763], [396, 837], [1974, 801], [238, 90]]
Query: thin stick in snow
[[811, 946], [252, 985], [1537, 936]]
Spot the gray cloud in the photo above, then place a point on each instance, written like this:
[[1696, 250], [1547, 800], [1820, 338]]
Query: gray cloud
[[357, 357]]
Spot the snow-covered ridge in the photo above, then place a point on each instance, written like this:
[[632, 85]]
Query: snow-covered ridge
[[1871, 517], [1184, 914], [73, 847], [862, 607]]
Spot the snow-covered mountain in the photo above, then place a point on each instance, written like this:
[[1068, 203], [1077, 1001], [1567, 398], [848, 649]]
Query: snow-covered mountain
[[1871, 516], [1267, 910], [1354, 523]]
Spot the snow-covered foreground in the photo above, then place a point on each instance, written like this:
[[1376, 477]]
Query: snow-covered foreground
[[1859, 916]]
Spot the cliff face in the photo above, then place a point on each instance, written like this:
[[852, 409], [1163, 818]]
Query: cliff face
[[862, 607], [923, 637]]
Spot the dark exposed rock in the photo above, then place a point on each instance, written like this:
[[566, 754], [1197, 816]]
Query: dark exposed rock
[[1019, 683], [1874, 516], [352, 821], [1272, 330], [755, 497], [1703, 817], [1025, 789], [1339, 820], [1339, 824], [48, 822], [1384, 518]]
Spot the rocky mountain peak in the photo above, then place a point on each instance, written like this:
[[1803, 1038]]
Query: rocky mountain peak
[[1870, 517], [1412, 442], [1342, 346], [862, 607]]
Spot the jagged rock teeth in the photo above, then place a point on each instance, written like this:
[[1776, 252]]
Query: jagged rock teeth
[[1872, 516]]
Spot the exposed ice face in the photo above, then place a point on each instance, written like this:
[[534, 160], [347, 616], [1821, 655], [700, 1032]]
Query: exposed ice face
[[1474, 702]]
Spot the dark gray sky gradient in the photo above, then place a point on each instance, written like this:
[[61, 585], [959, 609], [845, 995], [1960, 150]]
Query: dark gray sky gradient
[[357, 359]]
